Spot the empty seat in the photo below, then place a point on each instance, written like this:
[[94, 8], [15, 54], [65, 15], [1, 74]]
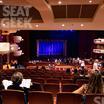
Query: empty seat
[[53, 88], [69, 87], [80, 82], [94, 99], [68, 98], [40, 98], [12, 97], [38, 80], [67, 81], [53, 80], [36, 87]]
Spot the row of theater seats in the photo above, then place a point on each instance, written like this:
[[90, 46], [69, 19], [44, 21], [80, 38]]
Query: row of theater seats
[[17, 97], [78, 81], [34, 73], [55, 88]]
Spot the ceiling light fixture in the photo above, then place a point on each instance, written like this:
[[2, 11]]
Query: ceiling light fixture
[[63, 25], [59, 2], [90, 1], [3, 24], [1, 1], [37, 25], [82, 25]]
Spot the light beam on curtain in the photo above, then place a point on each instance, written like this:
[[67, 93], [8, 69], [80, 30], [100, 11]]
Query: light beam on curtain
[[51, 47]]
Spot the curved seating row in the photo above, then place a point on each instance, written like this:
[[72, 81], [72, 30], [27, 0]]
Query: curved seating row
[[36, 97]]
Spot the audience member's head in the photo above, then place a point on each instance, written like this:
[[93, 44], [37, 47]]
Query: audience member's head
[[43, 68], [68, 71], [17, 78], [75, 71], [95, 84]]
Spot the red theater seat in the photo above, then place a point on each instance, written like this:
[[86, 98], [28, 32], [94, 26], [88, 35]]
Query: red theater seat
[[40, 98], [94, 99], [68, 98], [12, 97], [53, 88], [69, 87]]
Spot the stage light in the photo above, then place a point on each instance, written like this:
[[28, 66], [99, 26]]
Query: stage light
[[18, 53], [17, 39], [14, 47], [4, 47]]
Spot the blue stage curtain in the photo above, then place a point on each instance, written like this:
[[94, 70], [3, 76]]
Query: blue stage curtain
[[52, 47]]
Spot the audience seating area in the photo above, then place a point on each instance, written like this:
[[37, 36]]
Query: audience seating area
[[54, 81], [41, 97], [49, 87], [12, 97]]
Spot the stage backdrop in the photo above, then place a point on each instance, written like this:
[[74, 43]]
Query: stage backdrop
[[51, 47]]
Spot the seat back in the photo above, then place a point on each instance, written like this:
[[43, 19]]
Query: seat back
[[80, 82], [67, 81], [68, 98], [36, 87], [38, 80], [36, 97], [53, 88], [54, 81], [69, 87], [94, 99], [12, 97]]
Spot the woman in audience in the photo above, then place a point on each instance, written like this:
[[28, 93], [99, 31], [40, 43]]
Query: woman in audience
[[95, 85]]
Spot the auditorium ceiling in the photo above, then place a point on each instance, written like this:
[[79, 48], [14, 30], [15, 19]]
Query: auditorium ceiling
[[60, 14]]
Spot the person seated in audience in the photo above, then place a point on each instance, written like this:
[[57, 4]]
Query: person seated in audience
[[6, 66], [75, 71], [23, 84], [43, 69], [95, 85], [68, 71], [16, 78], [95, 64], [37, 67], [14, 64]]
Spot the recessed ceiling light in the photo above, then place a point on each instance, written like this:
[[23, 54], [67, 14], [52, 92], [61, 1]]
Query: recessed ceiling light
[[82, 25], [59, 2], [63, 25], [102, 6], [1, 1], [37, 25], [90, 1], [3, 24]]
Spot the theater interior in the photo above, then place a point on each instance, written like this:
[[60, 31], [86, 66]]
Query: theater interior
[[51, 48]]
